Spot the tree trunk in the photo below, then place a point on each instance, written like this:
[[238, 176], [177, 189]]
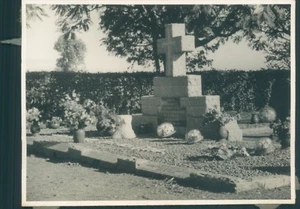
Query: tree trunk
[[155, 55], [154, 43]]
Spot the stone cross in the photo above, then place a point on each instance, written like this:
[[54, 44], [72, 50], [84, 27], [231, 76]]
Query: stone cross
[[174, 45]]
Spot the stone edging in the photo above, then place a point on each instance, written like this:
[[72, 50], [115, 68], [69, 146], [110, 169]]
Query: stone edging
[[141, 167]]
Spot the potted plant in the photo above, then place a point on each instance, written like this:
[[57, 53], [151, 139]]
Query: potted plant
[[33, 117], [108, 120], [55, 122], [218, 119], [281, 130], [76, 117]]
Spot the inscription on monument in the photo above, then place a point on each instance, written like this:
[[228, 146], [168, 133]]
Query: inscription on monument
[[172, 112]]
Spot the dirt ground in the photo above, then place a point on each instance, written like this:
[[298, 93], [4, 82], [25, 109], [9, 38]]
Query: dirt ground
[[65, 181]]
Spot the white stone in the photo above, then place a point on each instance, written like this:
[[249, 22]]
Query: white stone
[[234, 131], [125, 131]]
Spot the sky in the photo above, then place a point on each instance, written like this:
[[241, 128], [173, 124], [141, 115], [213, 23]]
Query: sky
[[40, 54]]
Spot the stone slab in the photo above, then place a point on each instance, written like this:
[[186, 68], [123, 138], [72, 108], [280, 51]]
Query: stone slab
[[177, 91], [264, 182], [149, 110], [170, 104], [263, 131], [138, 119], [234, 131], [93, 157], [215, 182], [173, 121], [151, 100], [179, 114], [180, 130], [148, 168], [189, 80], [194, 122], [127, 165], [195, 111], [209, 101], [59, 150]]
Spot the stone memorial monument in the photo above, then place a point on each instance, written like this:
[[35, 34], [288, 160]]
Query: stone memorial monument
[[177, 97]]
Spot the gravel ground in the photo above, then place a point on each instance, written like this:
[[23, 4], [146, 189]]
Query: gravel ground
[[175, 151]]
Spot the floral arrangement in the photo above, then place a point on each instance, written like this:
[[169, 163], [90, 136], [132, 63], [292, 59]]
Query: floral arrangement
[[75, 114], [221, 117], [33, 115], [281, 127], [107, 118], [56, 120], [90, 106]]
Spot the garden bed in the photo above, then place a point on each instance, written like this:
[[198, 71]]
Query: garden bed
[[175, 151]]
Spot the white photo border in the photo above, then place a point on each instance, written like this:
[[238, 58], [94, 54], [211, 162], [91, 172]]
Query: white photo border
[[155, 202]]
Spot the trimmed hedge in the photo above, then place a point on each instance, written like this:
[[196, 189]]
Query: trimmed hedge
[[239, 90]]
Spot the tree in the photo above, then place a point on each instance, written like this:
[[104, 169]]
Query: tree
[[72, 51], [34, 12], [133, 30]]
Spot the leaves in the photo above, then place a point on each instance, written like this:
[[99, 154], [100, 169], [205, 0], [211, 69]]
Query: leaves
[[34, 12]]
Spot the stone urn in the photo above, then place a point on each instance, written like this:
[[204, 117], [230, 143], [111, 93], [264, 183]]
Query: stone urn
[[35, 128], [79, 135], [54, 125], [106, 131], [223, 132], [254, 119]]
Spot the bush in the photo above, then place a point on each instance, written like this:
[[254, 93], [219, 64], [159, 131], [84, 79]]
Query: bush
[[239, 90], [118, 91]]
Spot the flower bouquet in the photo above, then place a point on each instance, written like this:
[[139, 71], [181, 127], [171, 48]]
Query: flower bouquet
[[54, 122], [281, 129], [108, 120], [217, 120], [33, 117]]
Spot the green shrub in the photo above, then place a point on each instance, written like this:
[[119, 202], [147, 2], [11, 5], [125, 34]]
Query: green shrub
[[239, 90]]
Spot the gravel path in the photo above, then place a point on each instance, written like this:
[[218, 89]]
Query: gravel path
[[175, 151]]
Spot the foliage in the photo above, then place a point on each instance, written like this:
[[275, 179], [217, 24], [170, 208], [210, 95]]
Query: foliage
[[33, 115], [216, 116], [34, 12], [75, 115], [107, 118], [56, 120], [281, 127], [265, 27], [238, 90], [72, 53], [273, 34]]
